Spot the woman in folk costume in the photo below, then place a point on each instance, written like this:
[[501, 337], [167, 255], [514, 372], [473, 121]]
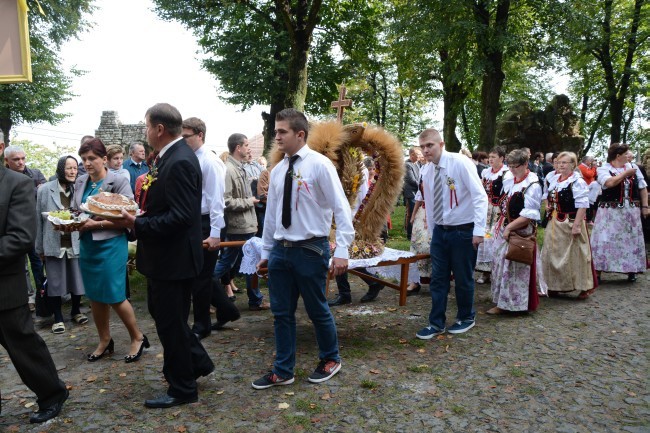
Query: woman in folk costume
[[566, 257], [514, 285], [493, 182], [617, 238]]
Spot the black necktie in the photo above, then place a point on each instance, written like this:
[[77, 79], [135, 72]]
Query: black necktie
[[286, 199]]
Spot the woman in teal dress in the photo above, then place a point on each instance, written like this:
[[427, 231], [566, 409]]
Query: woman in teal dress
[[103, 255]]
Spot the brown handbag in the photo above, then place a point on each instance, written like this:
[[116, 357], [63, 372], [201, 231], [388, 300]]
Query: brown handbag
[[521, 249]]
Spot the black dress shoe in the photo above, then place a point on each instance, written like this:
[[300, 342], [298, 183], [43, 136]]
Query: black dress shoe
[[221, 323], [631, 277], [49, 412], [165, 401], [339, 300], [373, 291]]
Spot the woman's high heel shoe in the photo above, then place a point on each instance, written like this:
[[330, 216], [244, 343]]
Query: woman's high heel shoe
[[144, 345], [108, 351]]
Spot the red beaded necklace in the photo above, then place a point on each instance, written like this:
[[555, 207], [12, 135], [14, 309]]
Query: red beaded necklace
[[522, 179]]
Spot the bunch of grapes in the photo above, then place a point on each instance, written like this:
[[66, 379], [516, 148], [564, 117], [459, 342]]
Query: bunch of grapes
[[61, 214]]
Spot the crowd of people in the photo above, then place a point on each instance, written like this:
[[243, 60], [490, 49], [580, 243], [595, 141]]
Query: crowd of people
[[462, 209]]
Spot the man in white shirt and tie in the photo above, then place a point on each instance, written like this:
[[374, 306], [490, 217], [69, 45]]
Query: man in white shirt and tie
[[213, 171], [456, 209], [304, 193]]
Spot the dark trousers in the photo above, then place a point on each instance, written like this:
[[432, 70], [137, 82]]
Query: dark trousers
[[30, 356], [451, 251], [37, 269], [184, 358], [202, 290], [343, 284], [410, 204]]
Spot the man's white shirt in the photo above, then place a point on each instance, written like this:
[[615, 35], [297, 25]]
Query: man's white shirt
[[468, 202], [214, 180], [316, 195]]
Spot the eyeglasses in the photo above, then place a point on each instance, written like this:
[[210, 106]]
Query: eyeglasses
[[186, 136], [516, 166]]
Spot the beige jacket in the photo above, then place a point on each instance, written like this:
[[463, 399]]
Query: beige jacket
[[239, 207]]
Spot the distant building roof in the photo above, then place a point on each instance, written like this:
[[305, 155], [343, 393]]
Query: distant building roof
[[256, 145]]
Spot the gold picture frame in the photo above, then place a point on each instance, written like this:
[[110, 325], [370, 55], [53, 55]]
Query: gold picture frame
[[15, 57]]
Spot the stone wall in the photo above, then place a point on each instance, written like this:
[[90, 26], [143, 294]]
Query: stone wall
[[112, 131]]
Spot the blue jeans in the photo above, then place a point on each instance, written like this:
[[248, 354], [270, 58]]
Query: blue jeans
[[451, 251], [294, 272], [230, 260]]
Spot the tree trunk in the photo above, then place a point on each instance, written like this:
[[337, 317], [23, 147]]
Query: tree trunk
[[299, 21], [5, 125], [616, 95], [452, 102], [493, 76], [269, 124], [466, 127]]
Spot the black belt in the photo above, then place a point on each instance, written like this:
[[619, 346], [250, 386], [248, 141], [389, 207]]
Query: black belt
[[293, 244], [468, 226]]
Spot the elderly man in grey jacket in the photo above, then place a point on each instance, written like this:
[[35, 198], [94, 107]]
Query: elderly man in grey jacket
[[241, 220]]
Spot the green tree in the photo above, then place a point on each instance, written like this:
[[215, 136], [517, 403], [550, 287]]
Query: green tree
[[34, 102], [260, 50], [605, 43]]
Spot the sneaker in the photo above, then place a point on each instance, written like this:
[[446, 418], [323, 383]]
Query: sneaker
[[325, 370], [459, 327], [271, 379], [429, 332]]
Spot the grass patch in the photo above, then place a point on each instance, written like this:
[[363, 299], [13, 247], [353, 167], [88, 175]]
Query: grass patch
[[306, 406], [297, 420], [416, 342], [517, 372], [357, 347], [397, 235], [444, 382], [422, 368], [369, 384], [531, 390], [300, 373], [138, 287], [458, 410]]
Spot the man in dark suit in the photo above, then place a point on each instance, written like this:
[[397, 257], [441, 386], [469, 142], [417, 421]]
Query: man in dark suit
[[25, 347], [170, 253]]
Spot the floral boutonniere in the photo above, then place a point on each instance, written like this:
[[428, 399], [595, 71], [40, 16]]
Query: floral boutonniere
[[151, 177], [451, 183], [301, 183]]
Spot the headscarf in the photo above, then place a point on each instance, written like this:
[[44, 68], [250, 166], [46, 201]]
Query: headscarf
[[60, 172]]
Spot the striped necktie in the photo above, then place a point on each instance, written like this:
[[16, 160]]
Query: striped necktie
[[437, 197]]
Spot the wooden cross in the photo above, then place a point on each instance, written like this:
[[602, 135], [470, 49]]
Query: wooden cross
[[341, 103]]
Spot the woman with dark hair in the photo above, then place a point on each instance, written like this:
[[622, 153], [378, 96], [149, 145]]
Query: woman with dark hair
[[617, 238], [104, 254], [566, 257], [492, 178], [514, 284], [60, 250]]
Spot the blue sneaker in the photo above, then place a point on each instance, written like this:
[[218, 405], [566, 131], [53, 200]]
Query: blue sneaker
[[429, 332], [461, 326]]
